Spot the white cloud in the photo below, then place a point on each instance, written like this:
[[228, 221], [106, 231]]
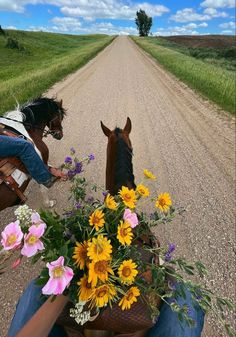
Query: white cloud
[[204, 25], [112, 9], [214, 13], [90, 9], [66, 24], [230, 25], [218, 3], [10, 27], [227, 31], [188, 14], [16, 5], [189, 29], [74, 26]]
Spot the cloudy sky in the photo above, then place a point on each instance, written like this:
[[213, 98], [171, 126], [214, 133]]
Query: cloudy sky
[[170, 17]]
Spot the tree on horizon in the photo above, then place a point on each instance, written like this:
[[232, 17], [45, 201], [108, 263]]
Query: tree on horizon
[[143, 22]]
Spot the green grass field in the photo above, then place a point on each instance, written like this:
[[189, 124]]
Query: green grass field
[[41, 60], [212, 80]]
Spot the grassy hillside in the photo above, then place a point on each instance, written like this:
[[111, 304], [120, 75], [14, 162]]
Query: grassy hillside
[[214, 81], [34, 61], [212, 49]]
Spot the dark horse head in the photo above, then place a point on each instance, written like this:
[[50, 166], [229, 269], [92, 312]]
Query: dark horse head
[[119, 169], [42, 112]]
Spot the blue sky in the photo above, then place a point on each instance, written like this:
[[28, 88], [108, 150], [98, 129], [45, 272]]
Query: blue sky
[[170, 17]]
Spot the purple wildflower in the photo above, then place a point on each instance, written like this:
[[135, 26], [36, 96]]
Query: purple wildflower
[[68, 160], [168, 257], [90, 200], [171, 249], [72, 150], [71, 174], [105, 193], [91, 157], [78, 205], [78, 167]]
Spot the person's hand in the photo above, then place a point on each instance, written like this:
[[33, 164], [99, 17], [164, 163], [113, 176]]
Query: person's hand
[[58, 173]]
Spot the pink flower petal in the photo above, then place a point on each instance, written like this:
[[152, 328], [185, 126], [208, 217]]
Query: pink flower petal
[[37, 230], [130, 217], [11, 236]]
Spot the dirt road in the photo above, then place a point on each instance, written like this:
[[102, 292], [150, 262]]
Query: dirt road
[[176, 134]]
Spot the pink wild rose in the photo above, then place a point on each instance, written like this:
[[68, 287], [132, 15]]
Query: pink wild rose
[[36, 220], [12, 236], [60, 277], [32, 242], [130, 217]]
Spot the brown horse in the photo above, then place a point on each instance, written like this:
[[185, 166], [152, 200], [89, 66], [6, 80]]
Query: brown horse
[[31, 120], [119, 167]]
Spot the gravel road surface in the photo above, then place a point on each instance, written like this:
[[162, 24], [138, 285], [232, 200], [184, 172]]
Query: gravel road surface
[[186, 141]]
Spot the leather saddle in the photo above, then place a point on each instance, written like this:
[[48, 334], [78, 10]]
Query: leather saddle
[[9, 164]]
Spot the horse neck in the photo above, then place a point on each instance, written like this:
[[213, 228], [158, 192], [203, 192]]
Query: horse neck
[[121, 176], [110, 168], [37, 137]]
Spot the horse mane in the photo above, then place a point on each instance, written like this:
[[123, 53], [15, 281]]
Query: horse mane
[[123, 163], [41, 110]]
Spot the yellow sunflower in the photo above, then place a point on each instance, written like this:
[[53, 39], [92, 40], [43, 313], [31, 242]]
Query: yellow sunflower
[[127, 271], [110, 202], [103, 294], [149, 174], [142, 190], [85, 289], [163, 202], [99, 270], [97, 219], [124, 233], [99, 249], [128, 196], [129, 298], [80, 254]]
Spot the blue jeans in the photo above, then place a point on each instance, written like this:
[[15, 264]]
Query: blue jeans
[[24, 150], [30, 301], [167, 324]]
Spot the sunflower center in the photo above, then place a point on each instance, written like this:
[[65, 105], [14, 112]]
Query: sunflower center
[[11, 239], [123, 231], [162, 202], [96, 219], [32, 239], [83, 253], [101, 292], [100, 267], [129, 296], [57, 272], [127, 196], [126, 271]]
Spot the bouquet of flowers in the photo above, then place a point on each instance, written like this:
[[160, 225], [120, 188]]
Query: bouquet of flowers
[[102, 252]]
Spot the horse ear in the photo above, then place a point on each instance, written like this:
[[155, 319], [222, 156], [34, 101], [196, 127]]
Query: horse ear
[[60, 103], [105, 130], [128, 126]]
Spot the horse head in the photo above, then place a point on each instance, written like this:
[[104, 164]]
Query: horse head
[[119, 168], [42, 112]]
